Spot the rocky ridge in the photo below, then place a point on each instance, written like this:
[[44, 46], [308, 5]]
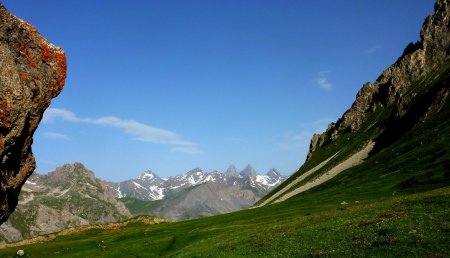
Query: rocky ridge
[[32, 72], [409, 101], [68, 197], [149, 186], [417, 60]]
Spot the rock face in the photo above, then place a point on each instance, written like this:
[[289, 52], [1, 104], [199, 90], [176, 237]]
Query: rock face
[[68, 197], [32, 72], [417, 60]]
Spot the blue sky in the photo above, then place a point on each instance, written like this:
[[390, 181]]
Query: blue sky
[[172, 85]]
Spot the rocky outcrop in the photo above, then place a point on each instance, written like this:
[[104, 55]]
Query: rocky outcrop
[[417, 60], [32, 72]]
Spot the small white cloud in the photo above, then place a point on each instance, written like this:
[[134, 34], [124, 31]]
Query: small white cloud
[[187, 150], [51, 113], [140, 131], [373, 49], [55, 136], [323, 81]]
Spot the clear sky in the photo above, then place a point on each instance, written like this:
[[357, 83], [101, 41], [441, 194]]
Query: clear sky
[[169, 85]]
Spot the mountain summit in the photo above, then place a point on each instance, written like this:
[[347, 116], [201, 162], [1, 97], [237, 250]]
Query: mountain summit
[[232, 171], [249, 171]]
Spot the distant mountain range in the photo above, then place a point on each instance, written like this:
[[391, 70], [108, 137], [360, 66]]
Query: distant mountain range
[[196, 193], [72, 196], [149, 186]]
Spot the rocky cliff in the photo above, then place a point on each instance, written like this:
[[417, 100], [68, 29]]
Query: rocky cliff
[[32, 72], [417, 60]]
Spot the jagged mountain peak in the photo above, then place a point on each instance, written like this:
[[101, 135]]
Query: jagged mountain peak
[[195, 171], [148, 176], [232, 171], [75, 167], [71, 171], [249, 171]]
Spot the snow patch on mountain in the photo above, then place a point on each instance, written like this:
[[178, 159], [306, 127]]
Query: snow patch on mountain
[[149, 186]]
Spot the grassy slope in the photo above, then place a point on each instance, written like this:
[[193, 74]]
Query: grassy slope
[[397, 204], [137, 207], [411, 225]]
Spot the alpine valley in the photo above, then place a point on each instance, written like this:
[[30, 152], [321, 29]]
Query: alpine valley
[[376, 183]]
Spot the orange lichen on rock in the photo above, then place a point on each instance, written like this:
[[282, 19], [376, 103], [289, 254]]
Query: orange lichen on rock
[[32, 60], [24, 76], [62, 64], [30, 27], [45, 53], [3, 114]]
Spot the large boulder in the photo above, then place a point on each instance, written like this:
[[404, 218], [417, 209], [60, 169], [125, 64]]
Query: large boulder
[[32, 72]]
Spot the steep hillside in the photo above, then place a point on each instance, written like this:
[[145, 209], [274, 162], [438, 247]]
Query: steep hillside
[[71, 196], [397, 124], [196, 193]]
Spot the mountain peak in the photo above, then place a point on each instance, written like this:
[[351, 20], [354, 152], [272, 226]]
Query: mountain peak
[[232, 171], [195, 171], [249, 171], [148, 175], [71, 170], [72, 167]]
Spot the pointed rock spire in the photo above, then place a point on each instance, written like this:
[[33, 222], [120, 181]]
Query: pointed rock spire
[[232, 171], [249, 171]]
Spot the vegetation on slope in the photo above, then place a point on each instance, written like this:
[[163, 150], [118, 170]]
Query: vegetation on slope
[[137, 206], [410, 225]]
